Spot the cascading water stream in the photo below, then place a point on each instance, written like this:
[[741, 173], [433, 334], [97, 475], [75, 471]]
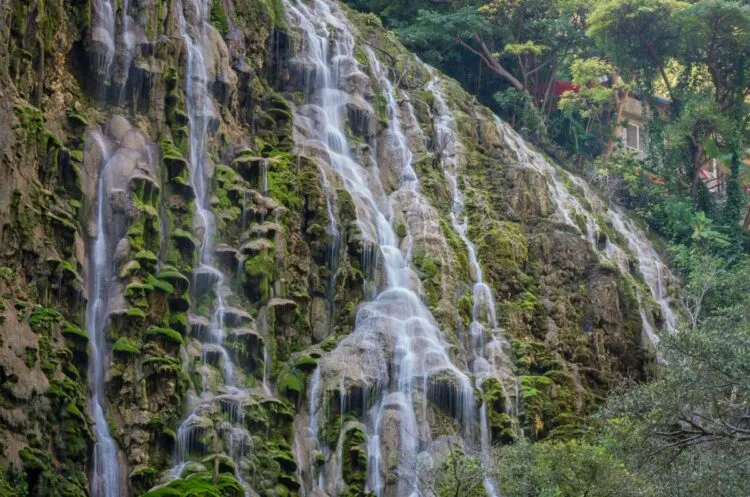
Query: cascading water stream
[[333, 248], [419, 351], [206, 277], [334, 87], [397, 142], [106, 473], [650, 264]]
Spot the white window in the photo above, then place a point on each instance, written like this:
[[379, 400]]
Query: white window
[[633, 136]]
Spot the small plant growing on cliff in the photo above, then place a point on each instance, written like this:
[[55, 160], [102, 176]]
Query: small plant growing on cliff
[[219, 17]]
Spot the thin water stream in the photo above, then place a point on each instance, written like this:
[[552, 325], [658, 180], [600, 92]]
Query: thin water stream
[[106, 473]]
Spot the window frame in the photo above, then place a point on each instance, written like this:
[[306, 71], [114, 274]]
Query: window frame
[[637, 137]]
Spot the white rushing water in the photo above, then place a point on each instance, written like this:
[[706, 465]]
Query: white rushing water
[[418, 368], [655, 273], [326, 57], [106, 474]]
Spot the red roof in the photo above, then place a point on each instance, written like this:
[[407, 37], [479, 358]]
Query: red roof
[[560, 87]]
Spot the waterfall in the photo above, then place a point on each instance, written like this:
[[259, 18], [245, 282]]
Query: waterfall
[[106, 473], [333, 248], [397, 142], [484, 316], [396, 313], [395, 373], [650, 265]]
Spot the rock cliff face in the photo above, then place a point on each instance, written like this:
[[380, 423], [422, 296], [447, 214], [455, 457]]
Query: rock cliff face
[[254, 247]]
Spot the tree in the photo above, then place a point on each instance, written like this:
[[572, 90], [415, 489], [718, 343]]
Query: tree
[[705, 274], [459, 473], [715, 51], [698, 54], [698, 121], [638, 35], [715, 59], [521, 42], [574, 468], [698, 410]]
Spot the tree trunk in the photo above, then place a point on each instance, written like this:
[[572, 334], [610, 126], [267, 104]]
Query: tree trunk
[[697, 163], [493, 64], [620, 99]]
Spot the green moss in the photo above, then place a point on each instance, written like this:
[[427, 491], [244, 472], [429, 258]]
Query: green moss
[[76, 117], [526, 305], [60, 221], [136, 292], [260, 271], [429, 272], [497, 406], [503, 249], [465, 307], [549, 404], [354, 460], [124, 345], [185, 239], [166, 366], [30, 117], [74, 332], [306, 363], [31, 357], [146, 256], [401, 229], [380, 104], [179, 322], [159, 284], [13, 485], [200, 485], [167, 334], [169, 434], [134, 312], [283, 180], [290, 384], [129, 269], [44, 318], [34, 459]]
